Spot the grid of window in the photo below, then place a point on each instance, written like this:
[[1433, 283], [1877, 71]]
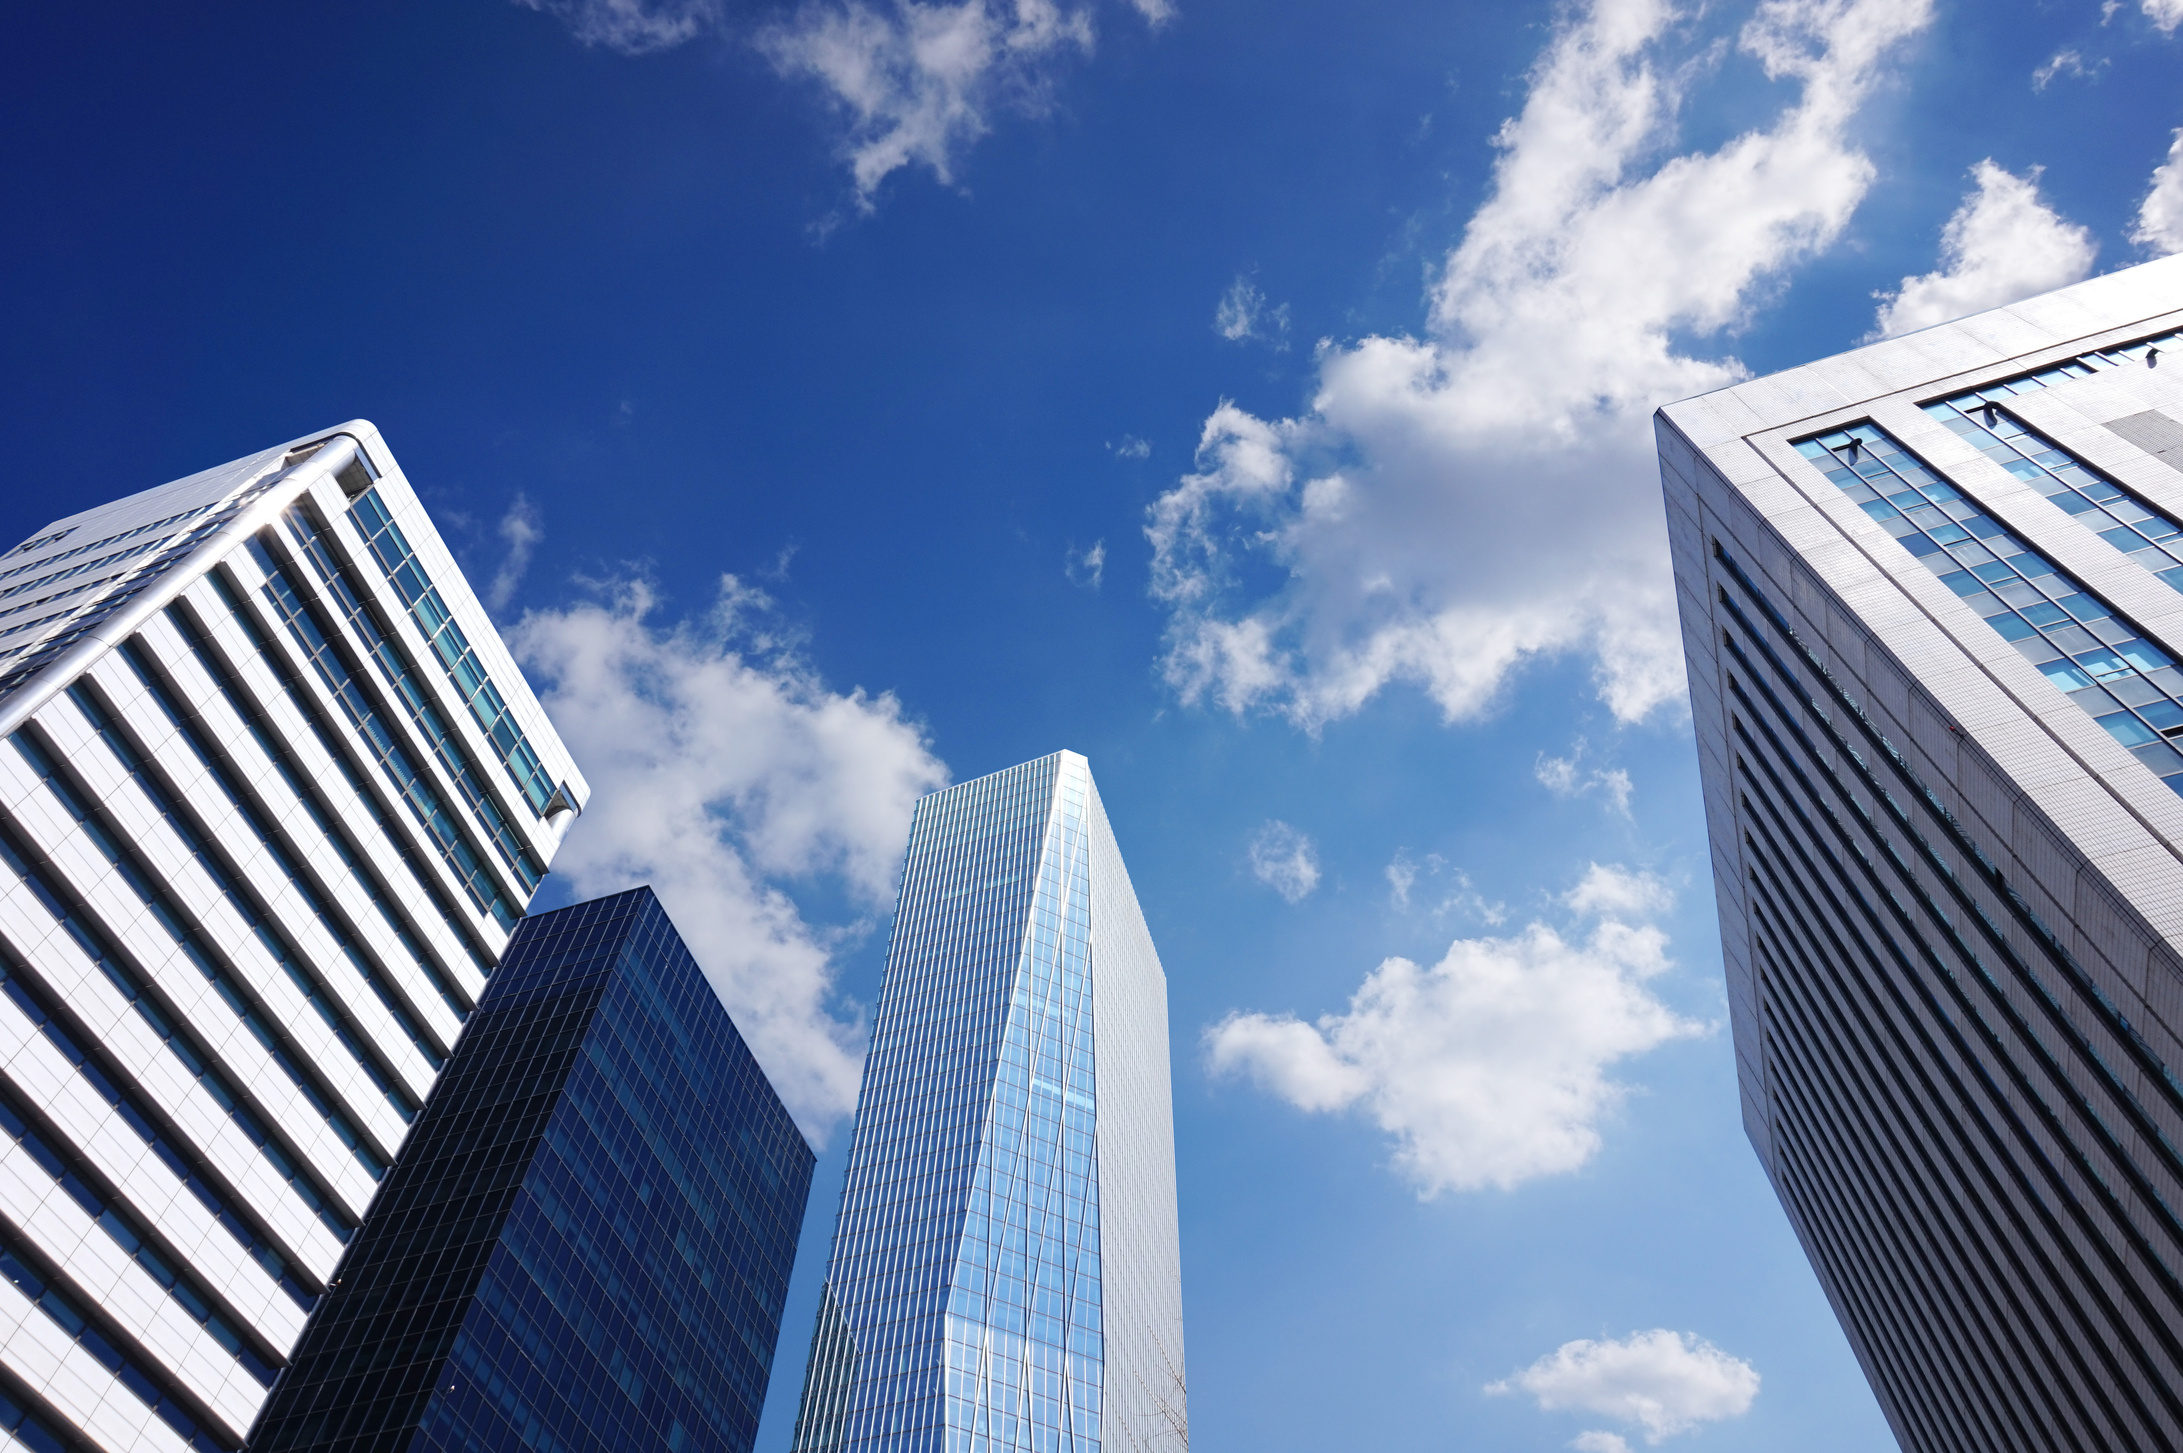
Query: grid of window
[[587, 1245], [69, 1317], [2123, 681], [139, 1120], [199, 1067], [2147, 535], [385, 748], [1025, 1358], [406, 573], [1979, 1146], [167, 915], [394, 666], [974, 1164], [127, 1233]]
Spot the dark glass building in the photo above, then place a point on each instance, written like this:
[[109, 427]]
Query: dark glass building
[[587, 1242], [1932, 600]]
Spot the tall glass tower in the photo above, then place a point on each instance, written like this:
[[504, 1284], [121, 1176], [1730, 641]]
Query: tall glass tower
[[1005, 1274], [272, 797], [1932, 603]]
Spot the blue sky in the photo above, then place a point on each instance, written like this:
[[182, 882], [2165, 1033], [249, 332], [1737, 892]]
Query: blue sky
[[839, 399]]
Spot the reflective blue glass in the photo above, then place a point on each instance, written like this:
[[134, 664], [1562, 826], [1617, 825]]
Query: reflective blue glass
[[586, 1242]]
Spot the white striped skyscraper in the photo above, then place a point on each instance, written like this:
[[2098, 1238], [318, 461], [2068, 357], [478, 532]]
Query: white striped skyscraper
[[1006, 1276], [272, 797]]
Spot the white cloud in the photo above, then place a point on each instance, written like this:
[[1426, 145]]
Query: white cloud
[[2166, 14], [2002, 244], [727, 775], [2065, 63], [1664, 1382], [1404, 873], [522, 529], [1454, 505], [1489, 1068], [1086, 567], [918, 83], [1567, 777], [1132, 447], [2160, 216], [1597, 1441], [1284, 860], [1617, 892], [632, 27], [1243, 315]]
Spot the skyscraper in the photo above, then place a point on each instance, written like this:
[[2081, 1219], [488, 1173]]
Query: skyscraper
[[1932, 600], [1005, 1273], [272, 798], [586, 1244]]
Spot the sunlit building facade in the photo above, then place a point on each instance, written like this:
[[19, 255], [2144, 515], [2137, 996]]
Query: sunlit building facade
[[1932, 602], [1005, 1274], [586, 1245], [272, 797]]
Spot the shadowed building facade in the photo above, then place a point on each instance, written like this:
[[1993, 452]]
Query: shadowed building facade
[[587, 1243], [1932, 603], [1005, 1273]]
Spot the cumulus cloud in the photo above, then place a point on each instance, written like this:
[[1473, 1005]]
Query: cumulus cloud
[[2001, 245], [2166, 14], [729, 777], [1456, 504], [1243, 315], [522, 530], [1661, 1381], [1568, 777], [2160, 216], [1285, 860], [1491, 1067], [632, 27], [918, 83]]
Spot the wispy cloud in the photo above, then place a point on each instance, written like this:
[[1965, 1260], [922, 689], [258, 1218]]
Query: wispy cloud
[[1454, 505], [2069, 62], [1569, 777], [1491, 1067], [1285, 860], [917, 84], [633, 27], [727, 775], [2002, 244], [2159, 226], [1087, 567], [1245, 316], [522, 530], [2166, 14], [1131, 447], [1451, 891], [1661, 1381]]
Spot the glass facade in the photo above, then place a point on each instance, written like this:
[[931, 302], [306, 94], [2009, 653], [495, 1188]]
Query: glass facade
[[1004, 1268], [587, 1243], [2127, 684]]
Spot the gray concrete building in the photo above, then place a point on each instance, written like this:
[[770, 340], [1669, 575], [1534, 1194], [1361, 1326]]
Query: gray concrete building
[[1932, 600]]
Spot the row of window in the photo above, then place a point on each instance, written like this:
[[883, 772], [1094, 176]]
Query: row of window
[[253, 816], [123, 1228], [164, 911], [2128, 685], [134, 1114], [199, 1067], [69, 1317], [411, 785], [406, 573], [405, 686]]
